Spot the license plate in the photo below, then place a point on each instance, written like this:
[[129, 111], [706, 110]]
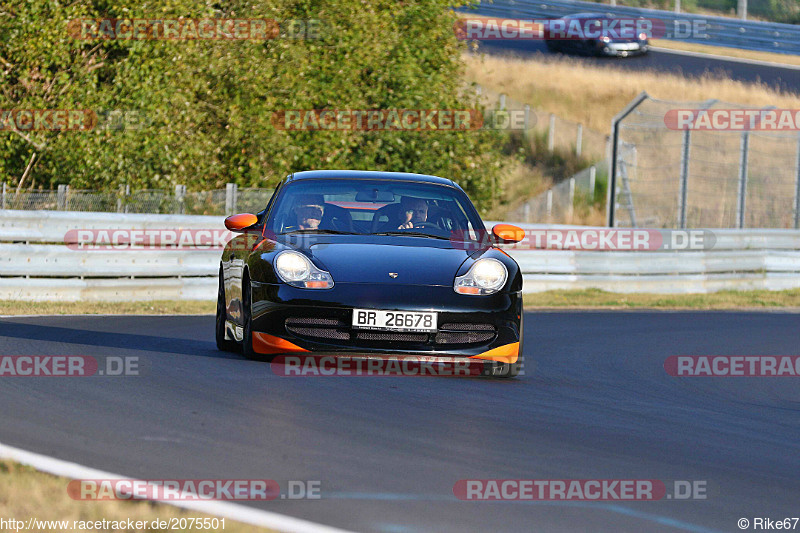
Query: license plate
[[394, 320], [627, 46]]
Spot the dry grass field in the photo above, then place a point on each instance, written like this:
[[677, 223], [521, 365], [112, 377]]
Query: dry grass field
[[593, 93]]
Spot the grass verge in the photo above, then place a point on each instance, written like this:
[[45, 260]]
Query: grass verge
[[28, 493], [584, 298], [599, 299], [592, 92], [156, 307]]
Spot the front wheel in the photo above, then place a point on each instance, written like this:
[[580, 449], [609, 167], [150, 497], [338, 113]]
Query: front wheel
[[226, 345], [247, 319]]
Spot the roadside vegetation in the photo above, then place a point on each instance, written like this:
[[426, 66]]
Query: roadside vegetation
[[599, 299], [28, 493], [204, 108], [592, 93], [155, 307], [562, 299]]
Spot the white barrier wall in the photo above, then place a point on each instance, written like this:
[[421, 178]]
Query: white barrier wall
[[36, 264]]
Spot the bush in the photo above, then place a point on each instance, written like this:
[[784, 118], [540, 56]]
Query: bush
[[208, 104]]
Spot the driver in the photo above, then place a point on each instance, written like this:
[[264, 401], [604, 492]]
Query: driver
[[412, 210], [308, 209]]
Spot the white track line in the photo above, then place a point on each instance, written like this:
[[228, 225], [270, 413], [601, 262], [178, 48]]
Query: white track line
[[233, 511], [726, 58]]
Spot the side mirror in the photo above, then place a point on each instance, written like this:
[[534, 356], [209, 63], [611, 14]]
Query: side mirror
[[240, 222], [508, 233]]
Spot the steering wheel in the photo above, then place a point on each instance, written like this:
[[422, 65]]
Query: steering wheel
[[425, 225]]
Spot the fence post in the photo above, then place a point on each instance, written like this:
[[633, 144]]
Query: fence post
[[230, 198], [502, 101], [4, 195], [741, 206], [579, 141], [677, 6], [684, 185], [571, 208], [741, 9], [592, 180], [549, 208], [551, 133], [180, 196], [526, 211], [527, 109], [61, 197], [796, 189]]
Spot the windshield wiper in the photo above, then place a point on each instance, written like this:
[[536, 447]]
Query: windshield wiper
[[412, 234], [323, 231]]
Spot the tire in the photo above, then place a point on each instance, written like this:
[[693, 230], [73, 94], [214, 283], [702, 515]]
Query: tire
[[223, 344], [247, 319]]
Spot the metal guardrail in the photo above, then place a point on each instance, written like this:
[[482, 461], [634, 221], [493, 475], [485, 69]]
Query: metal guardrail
[[44, 226], [720, 31], [32, 267]]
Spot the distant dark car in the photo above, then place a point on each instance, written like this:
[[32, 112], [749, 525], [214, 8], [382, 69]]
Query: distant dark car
[[353, 263], [598, 36]]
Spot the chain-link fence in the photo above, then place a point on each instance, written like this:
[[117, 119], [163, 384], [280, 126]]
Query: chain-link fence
[[557, 204], [675, 174], [226, 201], [561, 134]]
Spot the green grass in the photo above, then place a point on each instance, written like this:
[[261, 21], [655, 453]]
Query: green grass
[[28, 493], [599, 299], [156, 307], [575, 299]]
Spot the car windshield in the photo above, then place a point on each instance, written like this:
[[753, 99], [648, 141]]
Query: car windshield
[[378, 207]]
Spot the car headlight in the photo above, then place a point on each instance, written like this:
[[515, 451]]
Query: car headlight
[[296, 270], [486, 276]]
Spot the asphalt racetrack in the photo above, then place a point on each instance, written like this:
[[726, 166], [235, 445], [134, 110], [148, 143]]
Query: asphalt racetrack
[[595, 403], [786, 78]]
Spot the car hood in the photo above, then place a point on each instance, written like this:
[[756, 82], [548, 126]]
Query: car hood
[[416, 261]]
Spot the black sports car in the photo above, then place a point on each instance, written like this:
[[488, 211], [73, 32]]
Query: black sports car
[[596, 34], [371, 264]]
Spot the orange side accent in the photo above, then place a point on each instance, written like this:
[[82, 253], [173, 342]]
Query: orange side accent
[[508, 353], [269, 344]]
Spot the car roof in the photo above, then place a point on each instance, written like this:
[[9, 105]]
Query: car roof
[[369, 174]]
